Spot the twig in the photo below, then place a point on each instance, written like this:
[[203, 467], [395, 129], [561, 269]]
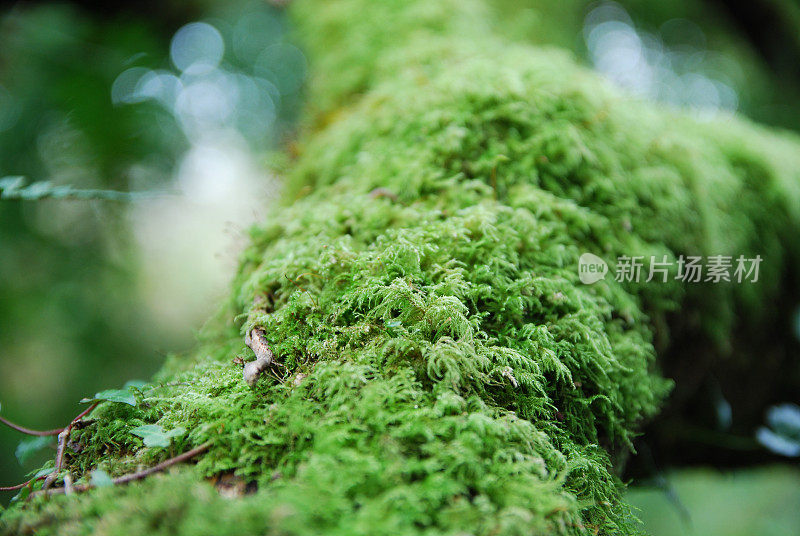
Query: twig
[[63, 438], [20, 486], [189, 454], [14, 488], [383, 192], [83, 414], [256, 339], [140, 475], [28, 431], [275, 375]]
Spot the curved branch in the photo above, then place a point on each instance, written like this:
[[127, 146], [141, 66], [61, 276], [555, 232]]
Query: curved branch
[[139, 475], [28, 431]]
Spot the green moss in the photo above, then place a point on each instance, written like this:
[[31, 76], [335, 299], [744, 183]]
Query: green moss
[[444, 370]]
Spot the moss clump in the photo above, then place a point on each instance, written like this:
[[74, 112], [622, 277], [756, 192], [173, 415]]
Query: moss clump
[[445, 371]]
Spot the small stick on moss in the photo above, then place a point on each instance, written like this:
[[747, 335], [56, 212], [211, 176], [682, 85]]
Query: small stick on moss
[[69, 488], [63, 438], [379, 192], [28, 431], [20, 486], [256, 339], [188, 455], [139, 475]]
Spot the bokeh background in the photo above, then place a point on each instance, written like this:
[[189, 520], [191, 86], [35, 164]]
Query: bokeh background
[[192, 102]]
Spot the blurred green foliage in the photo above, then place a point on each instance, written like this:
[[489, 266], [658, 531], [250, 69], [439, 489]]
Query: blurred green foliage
[[71, 319], [85, 104], [762, 501], [766, 93], [57, 65]]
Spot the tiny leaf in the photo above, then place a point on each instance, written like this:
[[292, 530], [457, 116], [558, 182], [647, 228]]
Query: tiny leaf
[[101, 479], [124, 396], [154, 435], [22, 495], [29, 447], [41, 472]]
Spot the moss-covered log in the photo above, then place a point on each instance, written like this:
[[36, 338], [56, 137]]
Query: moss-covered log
[[444, 370]]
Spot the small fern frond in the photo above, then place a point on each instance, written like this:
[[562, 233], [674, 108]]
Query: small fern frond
[[16, 188]]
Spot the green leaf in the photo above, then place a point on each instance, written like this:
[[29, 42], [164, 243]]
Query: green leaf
[[22, 495], [41, 472], [29, 447], [124, 396], [11, 184], [155, 436], [101, 479]]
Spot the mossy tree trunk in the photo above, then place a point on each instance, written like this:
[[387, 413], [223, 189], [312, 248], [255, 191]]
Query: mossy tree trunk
[[442, 368]]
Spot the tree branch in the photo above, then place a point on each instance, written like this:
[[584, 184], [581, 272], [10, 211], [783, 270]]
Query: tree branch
[[139, 475], [18, 428], [63, 437]]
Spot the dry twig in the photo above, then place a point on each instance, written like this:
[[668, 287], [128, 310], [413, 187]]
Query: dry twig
[[256, 339], [28, 431], [20, 486], [63, 438], [139, 475]]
